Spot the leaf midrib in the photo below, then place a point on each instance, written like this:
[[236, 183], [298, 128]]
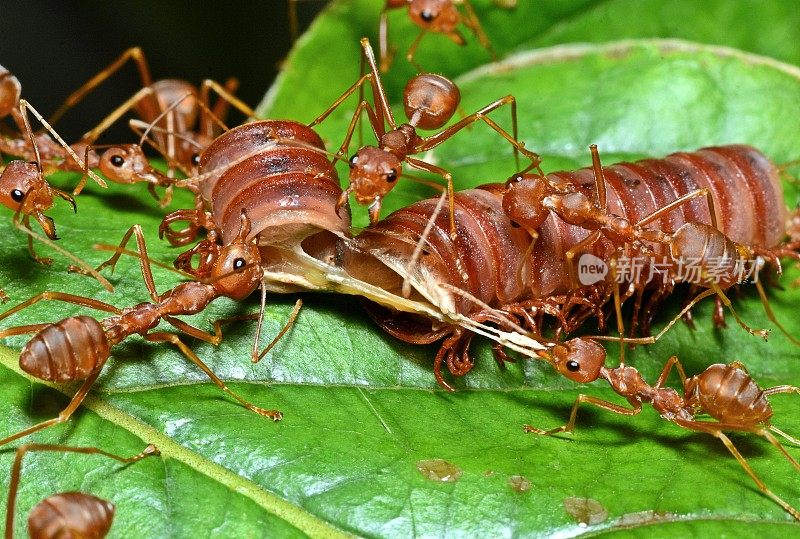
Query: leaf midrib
[[290, 513]]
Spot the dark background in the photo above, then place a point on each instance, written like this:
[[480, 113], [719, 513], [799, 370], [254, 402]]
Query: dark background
[[55, 46]]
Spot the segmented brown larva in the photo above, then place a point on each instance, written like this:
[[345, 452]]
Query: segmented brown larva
[[275, 170], [495, 265]]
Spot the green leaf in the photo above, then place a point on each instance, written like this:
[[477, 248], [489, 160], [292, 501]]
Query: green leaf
[[361, 409]]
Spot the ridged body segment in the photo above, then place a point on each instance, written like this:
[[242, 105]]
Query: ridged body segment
[[69, 350], [745, 186], [482, 261], [487, 258], [71, 515], [287, 185]]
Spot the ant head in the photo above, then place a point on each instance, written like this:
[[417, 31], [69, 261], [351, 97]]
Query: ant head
[[236, 272], [10, 91], [522, 200], [437, 16], [581, 360], [17, 181], [430, 100], [373, 173], [123, 164]]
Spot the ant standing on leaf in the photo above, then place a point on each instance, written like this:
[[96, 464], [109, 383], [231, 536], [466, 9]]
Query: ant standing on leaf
[[77, 348], [727, 393], [429, 102], [68, 514], [435, 16]]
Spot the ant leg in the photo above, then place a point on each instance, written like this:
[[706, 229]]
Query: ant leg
[[682, 200], [82, 266], [93, 134], [134, 53], [286, 327], [65, 414], [386, 53], [275, 415], [778, 431], [144, 259], [617, 308], [377, 126], [224, 100], [422, 165], [432, 141], [355, 120], [379, 94], [412, 50], [570, 426], [216, 337], [570, 254], [420, 246], [716, 430], [771, 315], [781, 389], [24, 107], [763, 333], [472, 22], [16, 469], [671, 362]]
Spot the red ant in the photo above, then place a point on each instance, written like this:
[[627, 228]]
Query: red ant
[[77, 348], [529, 199], [437, 16], [68, 514], [192, 123], [725, 392], [429, 101]]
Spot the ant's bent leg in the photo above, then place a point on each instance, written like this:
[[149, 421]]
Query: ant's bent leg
[[61, 296], [570, 426], [275, 415], [16, 469], [65, 414], [716, 430]]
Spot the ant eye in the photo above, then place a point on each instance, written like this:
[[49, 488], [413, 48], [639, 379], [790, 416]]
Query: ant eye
[[391, 177], [353, 160], [238, 264], [17, 195], [117, 160], [196, 159], [573, 366], [427, 15]]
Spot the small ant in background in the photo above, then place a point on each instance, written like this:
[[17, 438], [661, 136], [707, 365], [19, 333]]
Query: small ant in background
[[68, 514]]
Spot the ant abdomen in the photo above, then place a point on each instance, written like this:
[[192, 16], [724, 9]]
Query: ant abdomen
[[430, 100], [705, 246], [10, 92], [67, 351], [729, 394], [71, 514]]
